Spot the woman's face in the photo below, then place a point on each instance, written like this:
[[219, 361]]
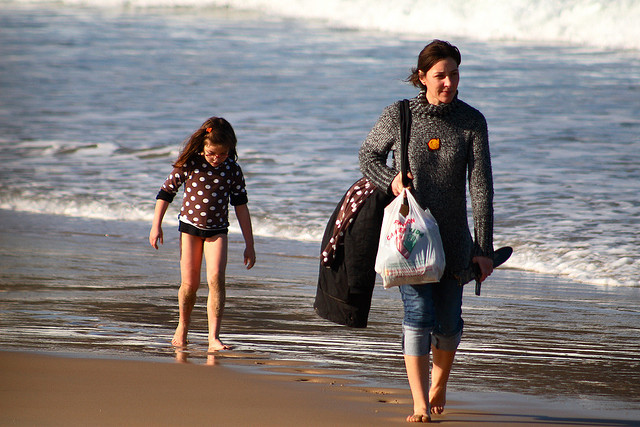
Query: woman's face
[[441, 81]]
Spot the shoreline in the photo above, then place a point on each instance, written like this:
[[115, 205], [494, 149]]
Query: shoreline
[[90, 296]]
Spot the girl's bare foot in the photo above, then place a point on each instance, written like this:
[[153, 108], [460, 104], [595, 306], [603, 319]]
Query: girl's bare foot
[[419, 418], [437, 399], [180, 336], [217, 345]]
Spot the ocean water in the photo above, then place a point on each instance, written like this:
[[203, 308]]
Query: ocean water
[[95, 102], [96, 98]]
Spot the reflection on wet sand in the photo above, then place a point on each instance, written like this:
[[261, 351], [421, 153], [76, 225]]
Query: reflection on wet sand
[[527, 334]]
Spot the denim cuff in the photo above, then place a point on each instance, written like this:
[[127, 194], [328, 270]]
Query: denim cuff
[[449, 343], [415, 341]]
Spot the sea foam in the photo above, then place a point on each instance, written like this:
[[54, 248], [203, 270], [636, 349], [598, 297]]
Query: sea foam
[[601, 24]]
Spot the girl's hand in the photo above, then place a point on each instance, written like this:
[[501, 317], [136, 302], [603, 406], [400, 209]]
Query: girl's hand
[[249, 257], [486, 266], [155, 236], [396, 184]]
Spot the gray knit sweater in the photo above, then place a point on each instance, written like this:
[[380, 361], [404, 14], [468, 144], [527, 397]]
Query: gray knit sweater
[[440, 175]]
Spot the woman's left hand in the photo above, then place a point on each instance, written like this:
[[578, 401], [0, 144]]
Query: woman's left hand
[[486, 266]]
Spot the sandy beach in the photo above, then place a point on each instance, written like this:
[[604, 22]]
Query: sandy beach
[[87, 311], [46, 390]]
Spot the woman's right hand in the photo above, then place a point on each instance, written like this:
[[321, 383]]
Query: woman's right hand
[[396, 184]]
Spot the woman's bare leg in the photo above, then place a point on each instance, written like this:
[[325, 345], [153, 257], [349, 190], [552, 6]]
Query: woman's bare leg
[[215, 250], [190, 263], [418, 375], [442, 363]]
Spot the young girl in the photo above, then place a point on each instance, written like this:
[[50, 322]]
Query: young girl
[[212, 179]]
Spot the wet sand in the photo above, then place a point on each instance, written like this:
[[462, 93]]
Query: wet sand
[[87, 310]]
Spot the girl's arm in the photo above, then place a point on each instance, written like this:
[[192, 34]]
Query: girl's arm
[[155, 235], [244, 219]]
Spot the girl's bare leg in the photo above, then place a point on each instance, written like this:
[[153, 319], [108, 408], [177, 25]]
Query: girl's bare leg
[[418, 375], [190, 263], [215, 250], [442, 363]]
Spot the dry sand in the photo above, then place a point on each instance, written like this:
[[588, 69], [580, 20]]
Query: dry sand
[[47, 390]]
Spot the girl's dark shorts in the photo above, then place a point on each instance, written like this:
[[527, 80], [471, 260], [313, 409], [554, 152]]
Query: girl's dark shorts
[[195, 231]]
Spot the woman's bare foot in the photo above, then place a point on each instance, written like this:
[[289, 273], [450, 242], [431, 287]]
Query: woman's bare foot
[[419, 418], [437, 399], [180, 336], [217, 345]]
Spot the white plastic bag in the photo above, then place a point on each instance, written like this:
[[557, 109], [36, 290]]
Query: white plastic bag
[[410, 249]]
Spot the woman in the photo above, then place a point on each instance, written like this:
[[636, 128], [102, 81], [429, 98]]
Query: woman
[[448, 146]]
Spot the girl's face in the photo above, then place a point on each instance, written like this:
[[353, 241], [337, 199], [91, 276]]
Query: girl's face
[[215, 155], [441, 81]]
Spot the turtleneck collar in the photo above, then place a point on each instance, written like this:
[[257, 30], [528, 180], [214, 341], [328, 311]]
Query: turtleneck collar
[[420, 105]]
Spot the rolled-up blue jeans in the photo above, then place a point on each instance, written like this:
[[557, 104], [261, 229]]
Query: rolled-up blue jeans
[[432, 317]]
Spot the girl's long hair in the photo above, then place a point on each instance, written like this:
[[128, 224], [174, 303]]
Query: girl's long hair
[[214, 131]]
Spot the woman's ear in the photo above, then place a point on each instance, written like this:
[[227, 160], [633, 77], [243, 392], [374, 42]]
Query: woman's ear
[[422, 76]]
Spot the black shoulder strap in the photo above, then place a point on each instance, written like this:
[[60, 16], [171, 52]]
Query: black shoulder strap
[[405, 135]]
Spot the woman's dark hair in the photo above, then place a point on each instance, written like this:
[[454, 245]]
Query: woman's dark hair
[[214, 131], [432, 53]]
